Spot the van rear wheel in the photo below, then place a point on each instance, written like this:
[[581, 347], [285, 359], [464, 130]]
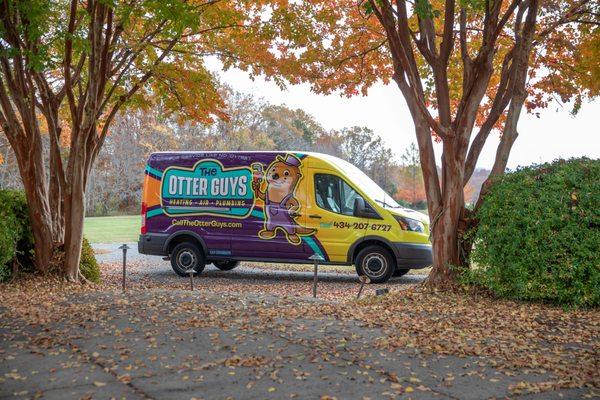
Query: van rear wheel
[[226, 265], [187, 255], [376, 263]]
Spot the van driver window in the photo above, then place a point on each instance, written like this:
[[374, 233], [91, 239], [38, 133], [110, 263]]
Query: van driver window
[[333, 194]]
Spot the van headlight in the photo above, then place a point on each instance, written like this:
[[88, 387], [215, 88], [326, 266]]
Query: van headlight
[[409, 224]]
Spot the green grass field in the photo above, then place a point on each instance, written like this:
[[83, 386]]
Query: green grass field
[[120, 229]]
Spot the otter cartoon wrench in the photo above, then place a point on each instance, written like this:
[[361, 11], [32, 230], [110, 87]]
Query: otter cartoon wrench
[[281, 207]]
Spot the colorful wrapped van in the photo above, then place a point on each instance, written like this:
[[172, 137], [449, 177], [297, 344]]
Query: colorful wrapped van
[[226, 207]]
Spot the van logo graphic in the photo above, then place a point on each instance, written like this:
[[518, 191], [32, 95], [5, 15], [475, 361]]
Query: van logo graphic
[[280, 180], [208, 188]]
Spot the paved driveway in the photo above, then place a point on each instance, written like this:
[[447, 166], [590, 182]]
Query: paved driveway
[[144, 266], [250, 333], [177, 344]]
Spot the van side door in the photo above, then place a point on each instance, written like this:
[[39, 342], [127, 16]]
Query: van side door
[[274, 231], [330, 210]]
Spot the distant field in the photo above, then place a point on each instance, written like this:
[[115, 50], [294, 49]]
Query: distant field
[[112, 229]]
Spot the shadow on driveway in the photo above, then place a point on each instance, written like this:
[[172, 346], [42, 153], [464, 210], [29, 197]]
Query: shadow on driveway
[[154, 267]]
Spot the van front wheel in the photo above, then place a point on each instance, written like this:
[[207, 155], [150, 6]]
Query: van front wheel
[[376, 263], [187, 255], [226, 265]]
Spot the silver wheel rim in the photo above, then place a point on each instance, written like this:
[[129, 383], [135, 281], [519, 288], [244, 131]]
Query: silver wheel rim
[[374, 265], [186, 259]]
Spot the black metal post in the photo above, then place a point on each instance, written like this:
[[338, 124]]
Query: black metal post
[[363, 279], [191, 272], [124, 247], [316, 258], [315, 279]]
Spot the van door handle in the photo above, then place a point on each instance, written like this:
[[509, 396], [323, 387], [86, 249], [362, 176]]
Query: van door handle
[[315, 216]]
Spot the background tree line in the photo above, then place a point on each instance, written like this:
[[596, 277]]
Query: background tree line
[[251, 124], [115, 182]]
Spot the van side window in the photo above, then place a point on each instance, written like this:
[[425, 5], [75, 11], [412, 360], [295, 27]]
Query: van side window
[[333, 194]]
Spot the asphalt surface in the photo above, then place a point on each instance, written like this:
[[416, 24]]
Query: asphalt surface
[[167, 343], [142, 346], [159, 269]]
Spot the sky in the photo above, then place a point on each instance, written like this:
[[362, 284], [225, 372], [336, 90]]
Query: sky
[[555, 134]]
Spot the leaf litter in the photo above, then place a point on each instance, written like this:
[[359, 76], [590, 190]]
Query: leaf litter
[[509, 336]]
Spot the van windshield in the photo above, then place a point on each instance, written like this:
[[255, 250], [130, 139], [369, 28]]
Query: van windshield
[[366, 184]]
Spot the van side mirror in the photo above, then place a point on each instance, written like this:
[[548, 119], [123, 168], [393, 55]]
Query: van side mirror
[[363, 210]]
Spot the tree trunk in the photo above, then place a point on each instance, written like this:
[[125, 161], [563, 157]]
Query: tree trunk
[[56, 185], [445, 236], [41, 225], [444, 239], [31, 168], [74, 206]]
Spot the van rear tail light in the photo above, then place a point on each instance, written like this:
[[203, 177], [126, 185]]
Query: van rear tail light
[[143, 229]]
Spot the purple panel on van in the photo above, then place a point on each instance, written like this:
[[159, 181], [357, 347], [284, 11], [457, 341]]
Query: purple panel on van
[[226, 200]]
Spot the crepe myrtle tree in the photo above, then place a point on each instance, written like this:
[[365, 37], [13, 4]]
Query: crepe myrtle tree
[[464, 68], [68, 67]]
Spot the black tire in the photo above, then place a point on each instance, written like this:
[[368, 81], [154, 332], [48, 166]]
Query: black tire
[[401, 272], [226, 265], [376, 262], [187, 255]]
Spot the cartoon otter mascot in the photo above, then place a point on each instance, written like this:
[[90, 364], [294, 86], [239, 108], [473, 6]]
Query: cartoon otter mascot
[[281, 207]]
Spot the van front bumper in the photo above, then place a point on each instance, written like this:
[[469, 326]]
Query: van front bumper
[[153, 244], [413, 255]]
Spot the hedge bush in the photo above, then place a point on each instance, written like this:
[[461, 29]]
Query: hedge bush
[[538, 236], [16, 239]]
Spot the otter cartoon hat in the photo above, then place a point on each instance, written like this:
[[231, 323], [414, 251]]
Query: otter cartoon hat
[[290, 160]]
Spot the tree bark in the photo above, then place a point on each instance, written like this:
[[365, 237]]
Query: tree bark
[[74, 214], [56, 185], [31, 168], [41, 226], [445, 236], [444, 240], [517, 97], [42, 190], [74, 207], [453, 126]]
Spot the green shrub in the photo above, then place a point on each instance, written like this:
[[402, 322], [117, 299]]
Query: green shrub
[[16, 239], [88, 264], [538, 236], [8, 242]]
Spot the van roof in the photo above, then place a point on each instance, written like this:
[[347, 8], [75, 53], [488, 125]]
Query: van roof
[[240, 151], [324, 156]]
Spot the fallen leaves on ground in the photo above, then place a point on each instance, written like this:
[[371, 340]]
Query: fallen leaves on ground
[[141, 275], [511, 335], [508, 335]]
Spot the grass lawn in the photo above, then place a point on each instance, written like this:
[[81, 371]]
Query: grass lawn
[[119, 229]]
